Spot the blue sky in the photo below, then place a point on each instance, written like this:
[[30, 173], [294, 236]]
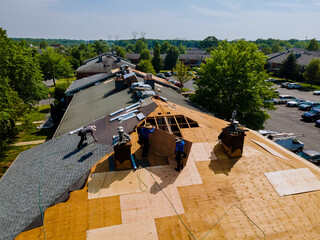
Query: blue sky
[[161, 19]]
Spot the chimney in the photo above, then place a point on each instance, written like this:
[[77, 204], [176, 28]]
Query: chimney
[[119, 83], [100, 58], [149, 80]]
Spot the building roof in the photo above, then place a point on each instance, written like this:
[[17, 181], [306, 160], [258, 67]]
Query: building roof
[[303, 57], [86, 82], [43, 173], [108, 63], [267, 192]]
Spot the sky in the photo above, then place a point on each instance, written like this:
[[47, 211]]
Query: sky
[[161, 19]]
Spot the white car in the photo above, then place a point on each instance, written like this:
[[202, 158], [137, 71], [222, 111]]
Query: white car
[[316, 92], [294, 85], [296, 102]]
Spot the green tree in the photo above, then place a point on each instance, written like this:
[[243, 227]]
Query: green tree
[[156, 60], [171, 58], [146, 66], [54, 66], [312, 73], [276, 47], [313, 45], [120, 52], [165, 47], [19, 64], [139, 46], [234, 79], [182, 49], [100, 47], [130, 48], [209, 42], [11, 109], [289, 67], [145, 54], [43, 44], [183, 72]]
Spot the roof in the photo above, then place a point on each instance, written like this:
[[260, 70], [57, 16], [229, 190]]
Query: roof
[[51, 168], [211, 186], [108, 63], [268, 191], [303, 57], [93, 103], [87, 82]]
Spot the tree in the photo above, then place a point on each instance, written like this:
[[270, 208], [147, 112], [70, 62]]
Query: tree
[[276, 47], [182, 49], [146, 66], [312, 73], [208, 42], [44, 45], [100, 47], [171, 58], [139, 46], [165, 47], [234, 79], [156, 60], [130, 48], [313, 45], [19, 64], [54, 66], [120, 52], [183, 72], [289, 67], [145, 54]]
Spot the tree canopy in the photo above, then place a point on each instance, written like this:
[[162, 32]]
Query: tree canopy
[[145, 54], [208, 42], [156, 60], [312, 73], [120, 52], [313, 45], [54, 65], [146, 66], [171, 58], [289, 67], [183, 72], [139, 46], [234, 79], [165, 47]]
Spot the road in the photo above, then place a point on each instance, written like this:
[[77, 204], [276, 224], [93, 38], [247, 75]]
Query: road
[[286, 119]]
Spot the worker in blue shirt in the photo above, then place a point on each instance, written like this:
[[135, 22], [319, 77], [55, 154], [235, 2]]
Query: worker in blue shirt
[[144, 138], [179, 151]]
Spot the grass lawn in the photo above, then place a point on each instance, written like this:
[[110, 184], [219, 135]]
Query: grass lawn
[[39, 113], [303, 84]]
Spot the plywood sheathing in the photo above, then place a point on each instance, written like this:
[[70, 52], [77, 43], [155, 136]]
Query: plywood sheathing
[[134, 231], [293, 181], [269, 149], [115, 183], [71, 219]]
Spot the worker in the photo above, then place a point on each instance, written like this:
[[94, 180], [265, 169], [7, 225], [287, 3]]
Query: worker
[[144, 138], [83, 134], [179, 151]]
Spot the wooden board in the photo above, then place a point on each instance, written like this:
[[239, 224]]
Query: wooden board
[[293, 181], [269, 149], [202, 152], [134, 231]]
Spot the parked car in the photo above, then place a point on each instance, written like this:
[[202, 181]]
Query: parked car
[[312, 116], [266, 132], [178, 84], [291, 144], [161, 75], [284, 84], [317, 123], [296, 102], [167, 74], [316, 92], [306, 106], [294, 85], [270, 80], [311, 156], [284, 99], [274, 101]]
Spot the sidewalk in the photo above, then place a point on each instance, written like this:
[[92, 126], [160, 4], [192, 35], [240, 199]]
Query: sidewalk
[[29, 143]]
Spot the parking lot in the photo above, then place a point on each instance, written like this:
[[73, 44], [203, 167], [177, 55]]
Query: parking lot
[[286, 119]]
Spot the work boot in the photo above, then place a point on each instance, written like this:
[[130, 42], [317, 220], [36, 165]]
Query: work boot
[[177, 169]]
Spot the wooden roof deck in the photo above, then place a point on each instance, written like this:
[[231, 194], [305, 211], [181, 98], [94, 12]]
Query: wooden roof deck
[[224, 184]]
